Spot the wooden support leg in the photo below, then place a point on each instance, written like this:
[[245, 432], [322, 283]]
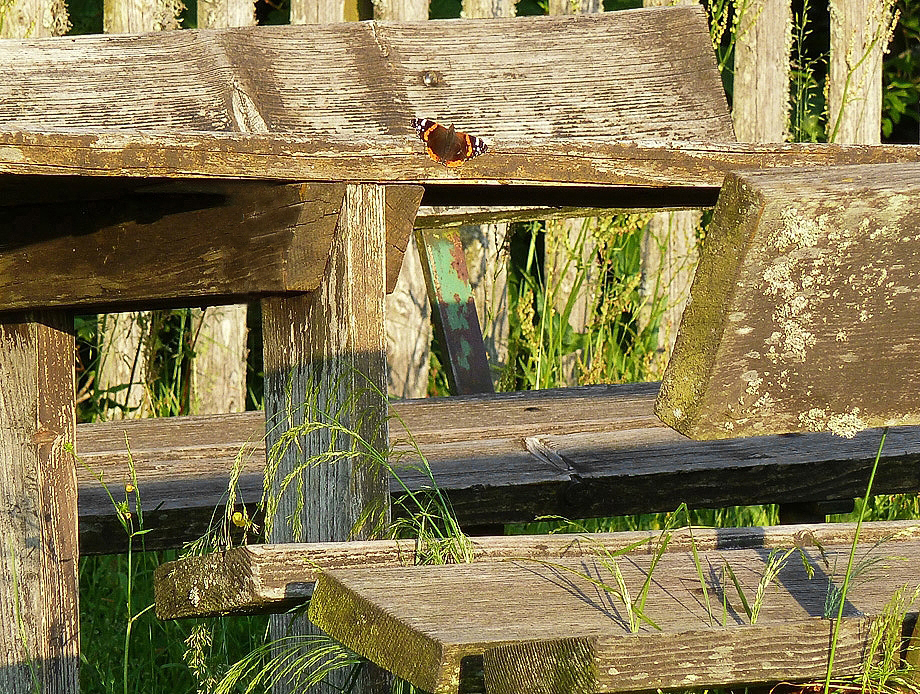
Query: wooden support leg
[[325, 364], [38, 506]]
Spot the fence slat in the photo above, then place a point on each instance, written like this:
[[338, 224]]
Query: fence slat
[[39, 617]]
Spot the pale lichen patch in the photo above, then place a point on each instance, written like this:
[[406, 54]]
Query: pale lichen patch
[[843, 424], [753, 379], [799, 231], [846, 424]]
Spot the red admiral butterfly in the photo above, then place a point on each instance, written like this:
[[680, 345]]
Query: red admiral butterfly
[[446, 145]]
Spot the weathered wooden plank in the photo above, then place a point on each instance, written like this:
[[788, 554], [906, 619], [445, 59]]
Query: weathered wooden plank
[[273, 578], [369, 79], [464, 610], [401, 158], [802, 315], [617, 663], [39, 616], [214, 239], [181, 242], [594, 451]]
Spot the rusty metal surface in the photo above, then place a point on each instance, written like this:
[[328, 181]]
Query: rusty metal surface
[[456, 322]]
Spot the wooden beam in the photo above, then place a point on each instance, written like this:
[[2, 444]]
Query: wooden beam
[[364, 80], [39, 616], [255, 579], [462, 610], [399, 158], [171, 244], [502, 458], [802, 316]]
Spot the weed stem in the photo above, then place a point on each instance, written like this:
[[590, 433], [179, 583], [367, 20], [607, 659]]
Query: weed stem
[[846, 576]]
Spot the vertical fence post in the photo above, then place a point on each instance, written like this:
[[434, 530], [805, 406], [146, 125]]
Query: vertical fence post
[[860, 30], [325, 363], [760, 105], [20, 19], [39, 617]]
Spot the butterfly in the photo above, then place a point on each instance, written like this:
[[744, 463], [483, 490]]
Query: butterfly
[[446, 145]]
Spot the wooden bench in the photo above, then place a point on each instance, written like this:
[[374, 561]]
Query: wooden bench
[[288, 175]]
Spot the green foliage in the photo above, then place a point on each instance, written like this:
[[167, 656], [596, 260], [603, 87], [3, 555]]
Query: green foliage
[[901, 77], [111, 623], [807, 94], [617, 344]]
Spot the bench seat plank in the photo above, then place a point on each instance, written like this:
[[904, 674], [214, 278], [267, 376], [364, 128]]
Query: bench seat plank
[[508, 457], [255, 579], [451, 612]]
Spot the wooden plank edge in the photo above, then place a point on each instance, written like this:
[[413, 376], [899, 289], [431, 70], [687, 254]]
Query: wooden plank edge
[[274, 577], [656, 163], [422, 661], [750, 654], [180, 507]]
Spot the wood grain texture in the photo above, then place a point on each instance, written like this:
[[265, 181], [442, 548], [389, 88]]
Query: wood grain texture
[[367, 79], [648, 163], [508, 457], [177, 243], [617, 663], [802, 311], [325, 363], [213, 239], [859, 37], [760, 102], [39, 616], [273, 578], [325, 396], [463, 610], [402, 204], [218, 378], [34, 18]]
